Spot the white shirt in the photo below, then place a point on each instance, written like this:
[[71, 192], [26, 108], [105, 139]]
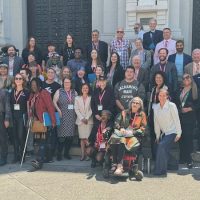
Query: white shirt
[[166, 119], [170, 45]]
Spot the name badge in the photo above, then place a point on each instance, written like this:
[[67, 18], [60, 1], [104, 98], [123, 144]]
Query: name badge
[[100, 107], [70, 107], [102, 145], [16, 107]]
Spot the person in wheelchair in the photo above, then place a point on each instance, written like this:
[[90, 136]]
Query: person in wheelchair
[[129, 127], [97, 152]]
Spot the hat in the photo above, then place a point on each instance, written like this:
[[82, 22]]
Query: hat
[[4, 65], [102, 78]]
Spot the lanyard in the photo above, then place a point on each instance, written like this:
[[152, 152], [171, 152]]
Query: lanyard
[[161, 69], [134, 120], [69, 95], [101, 96], [17, 96], [184, 97]]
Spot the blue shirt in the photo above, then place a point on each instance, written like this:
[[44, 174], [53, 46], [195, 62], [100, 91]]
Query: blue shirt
[[179, 65]]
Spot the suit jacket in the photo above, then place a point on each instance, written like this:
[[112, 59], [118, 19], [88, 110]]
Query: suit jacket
[[147, 40], [147, 58], [17, 65], [143, 77], [186, 59], [171, 77], [83, 111], [103, 52]]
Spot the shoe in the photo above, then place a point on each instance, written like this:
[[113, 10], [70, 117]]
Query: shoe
[[119, 171], [190, 165], [68, 157], [36, 164], [3, 162], [87, 158], [113, 168], [82, 158]]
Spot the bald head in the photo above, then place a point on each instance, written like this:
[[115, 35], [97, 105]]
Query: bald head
[[136, 62], [120, 33]]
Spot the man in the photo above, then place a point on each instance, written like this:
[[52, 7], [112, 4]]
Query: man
[[5, 115], [127, 89], [13, 61], [145, 55], [180, 59], [141, 74], [139, 32], [169, 69], [193, 69], [26, 73], [122, 47], [153, 37], [167, 43], [75, 64], [100, 46], [51, 86]]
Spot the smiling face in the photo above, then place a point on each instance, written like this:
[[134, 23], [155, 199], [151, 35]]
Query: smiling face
[[162, 55], [159, 80], [31, 58], [32, 42], [114, 58], [3, 71], [11, 51], [98, 71], [18, 80], [94, 54], [69, 39], [187, 81], [129, 74], [51, 74], [85, 90], [95, 36], [162, 96], [67, 84], [135, 105], [120, 33]]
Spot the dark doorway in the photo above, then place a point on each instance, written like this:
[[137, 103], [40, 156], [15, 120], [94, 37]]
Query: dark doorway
[[51, 20], [196, 25]]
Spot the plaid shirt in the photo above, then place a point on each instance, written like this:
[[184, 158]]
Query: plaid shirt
[[122, 47]]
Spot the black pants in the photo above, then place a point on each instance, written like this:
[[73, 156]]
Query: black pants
[[186, 142], [198, 126], [118, 151], [66, 143], [152, 136], [3, 138], [93, 133], [18, 135]]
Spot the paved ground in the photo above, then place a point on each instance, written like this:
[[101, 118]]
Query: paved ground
[[75, 180]]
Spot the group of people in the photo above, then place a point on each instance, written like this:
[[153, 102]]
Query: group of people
[[150, 81]]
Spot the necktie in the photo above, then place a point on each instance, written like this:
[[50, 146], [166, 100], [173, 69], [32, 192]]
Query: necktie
[[166, 43]]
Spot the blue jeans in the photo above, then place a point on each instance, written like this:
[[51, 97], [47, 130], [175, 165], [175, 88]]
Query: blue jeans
[[164, 158]]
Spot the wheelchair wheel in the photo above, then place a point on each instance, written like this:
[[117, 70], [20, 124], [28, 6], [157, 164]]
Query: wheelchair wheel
[[131, 175], [139, 175], [105, 172]]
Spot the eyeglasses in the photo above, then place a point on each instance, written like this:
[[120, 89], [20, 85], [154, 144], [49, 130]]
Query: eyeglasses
[[16, 78], [186, 77], [120, 31], [137, 103]]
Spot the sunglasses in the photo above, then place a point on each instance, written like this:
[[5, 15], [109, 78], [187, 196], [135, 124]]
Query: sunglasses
[[16, 78], [186, 77], [120, 31], [136, 103]]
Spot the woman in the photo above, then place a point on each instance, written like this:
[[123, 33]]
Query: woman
[[94, 82], [35, 72], [115, 72], [128, 125], [5, 77], [80, 79], [64, 100], [145, 55], [159, 83], [31, 47], [102, 99], [95, 61], [84, 116], [67, 52], [187, 105], [168, 130], [39, 102], [19, 98]]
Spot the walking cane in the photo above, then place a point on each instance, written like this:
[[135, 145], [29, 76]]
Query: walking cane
[[29, 127]]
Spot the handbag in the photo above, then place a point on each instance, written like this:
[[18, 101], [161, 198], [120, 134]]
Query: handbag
[[38, 127]]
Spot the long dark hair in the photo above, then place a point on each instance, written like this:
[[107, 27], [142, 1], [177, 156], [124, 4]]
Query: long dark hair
[[163, 76], [28, 45], [99, 62], [118, 61], [89, 92], [65, 43], [38, 83]]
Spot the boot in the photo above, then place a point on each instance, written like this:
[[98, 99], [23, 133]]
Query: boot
[[119, 170]]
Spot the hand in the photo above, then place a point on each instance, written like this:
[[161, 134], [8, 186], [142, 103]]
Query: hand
[[98, 117], [122, 130], [85, 121], [123, 114], [185, 110], [6, 124], [177, 138], [60, 113], [156, 141]]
